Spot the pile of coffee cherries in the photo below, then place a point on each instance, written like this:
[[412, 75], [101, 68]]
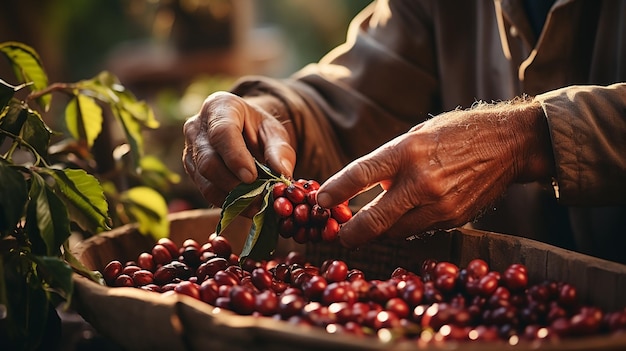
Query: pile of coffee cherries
[[442, 302], [301, 218]]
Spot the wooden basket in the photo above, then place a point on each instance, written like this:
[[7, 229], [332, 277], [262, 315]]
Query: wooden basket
[[142, 320]]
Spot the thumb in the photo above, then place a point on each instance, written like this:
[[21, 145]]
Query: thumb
[[277, 149]]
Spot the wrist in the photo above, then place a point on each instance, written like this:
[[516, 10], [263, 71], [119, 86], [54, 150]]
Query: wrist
[[534, 157]]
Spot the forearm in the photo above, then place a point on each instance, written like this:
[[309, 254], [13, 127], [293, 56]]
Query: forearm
[[588, 133]]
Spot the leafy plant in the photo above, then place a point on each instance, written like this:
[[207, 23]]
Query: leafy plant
[[263, 236], [54, 184]]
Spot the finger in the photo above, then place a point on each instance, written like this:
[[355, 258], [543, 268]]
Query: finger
[[209, 164], [422, 219], [226, 117], [357, 177], [209, 191], [377, 217], [278, 152]]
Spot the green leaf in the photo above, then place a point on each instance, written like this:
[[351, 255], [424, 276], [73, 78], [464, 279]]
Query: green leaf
[[263, 237], [28, 305], [237, 201], [56, 274], [265, 172], [14, 192], [156, 174], [51, 218], [132, 115], [27, 67], [149, 209], [79, 267], [6, 93], [36, 133], [83, 117], [83, 196], [14, 118], [132, 129], [138, 109]]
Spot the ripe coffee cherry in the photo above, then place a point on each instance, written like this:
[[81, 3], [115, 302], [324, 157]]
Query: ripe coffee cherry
[[295, 193], [286, 227], [112, 270], [124, 280], [242, 300], [221, 246], [515, 278], [477, 268], [301, 217], [188, 288], [310, 185], [338, 292], [341, 213], [319, 215], [278, 190], [169, 245], [283, 207], [331, 230], [143, 277], [161, 254], [261, 278], [266, 303], [301, 213], [472, 303], [335, 271]]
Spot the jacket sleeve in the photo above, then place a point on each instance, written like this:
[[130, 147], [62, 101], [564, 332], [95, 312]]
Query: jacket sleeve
[[588, 130], [375, 86]]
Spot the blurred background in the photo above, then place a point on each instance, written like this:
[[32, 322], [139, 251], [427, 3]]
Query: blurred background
[[173, 53]]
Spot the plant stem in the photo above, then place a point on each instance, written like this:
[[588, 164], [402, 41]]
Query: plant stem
[[17, 141], [61, 87]]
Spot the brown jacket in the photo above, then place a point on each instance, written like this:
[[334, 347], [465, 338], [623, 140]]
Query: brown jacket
[[407, 59]]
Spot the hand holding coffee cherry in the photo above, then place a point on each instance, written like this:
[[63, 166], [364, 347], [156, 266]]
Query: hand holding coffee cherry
[[301, 217], [288, 208]]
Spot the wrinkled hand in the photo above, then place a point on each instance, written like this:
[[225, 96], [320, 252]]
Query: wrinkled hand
[[222, 141], [443, 172]]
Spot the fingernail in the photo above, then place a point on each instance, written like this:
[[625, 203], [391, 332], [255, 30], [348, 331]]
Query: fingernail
[[288, 166], [245, 175], [323, 199]]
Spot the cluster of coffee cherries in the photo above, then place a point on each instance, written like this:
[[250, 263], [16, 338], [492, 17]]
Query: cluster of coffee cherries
[[443, 302], [301, 217]]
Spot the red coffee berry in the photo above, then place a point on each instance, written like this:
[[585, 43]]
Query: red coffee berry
[[295, 193], [278, 190], [331, 230], [169, 245], [283, 207], [301, 214], [342, 213], [161, 254], [111, 271]]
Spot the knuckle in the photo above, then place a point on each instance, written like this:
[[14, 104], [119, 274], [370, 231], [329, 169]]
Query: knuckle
[[376, 220]]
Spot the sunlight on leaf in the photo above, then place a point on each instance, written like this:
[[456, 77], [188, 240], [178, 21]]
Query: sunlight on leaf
[[84, 193], [238, 200], [83, 118], [79, 267], [149, 209], [263, 237], [27, 67]]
